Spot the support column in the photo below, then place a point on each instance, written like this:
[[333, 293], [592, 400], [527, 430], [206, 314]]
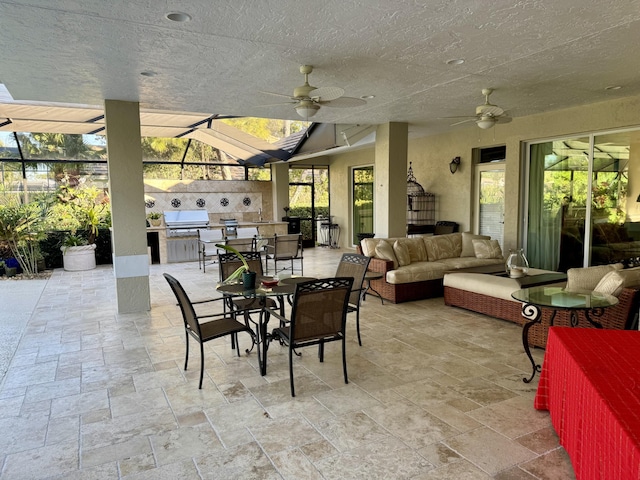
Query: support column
[[390, 173], [126, 187], [280, 188]]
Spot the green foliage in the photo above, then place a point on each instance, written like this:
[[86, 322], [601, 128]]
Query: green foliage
[[84, 208], [241, 269], [154, 215], [22, 227]]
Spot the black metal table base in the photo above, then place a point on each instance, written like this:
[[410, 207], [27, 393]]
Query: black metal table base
[[529, 310]]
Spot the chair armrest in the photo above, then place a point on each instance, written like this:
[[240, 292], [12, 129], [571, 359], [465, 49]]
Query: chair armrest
[[207, 301], [277, 315]]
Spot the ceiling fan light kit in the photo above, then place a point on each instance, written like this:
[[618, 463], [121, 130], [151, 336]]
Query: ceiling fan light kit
[[307, 99], [487, 114], [486, 122]]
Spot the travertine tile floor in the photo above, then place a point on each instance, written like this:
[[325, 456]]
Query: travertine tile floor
[[434, 393]]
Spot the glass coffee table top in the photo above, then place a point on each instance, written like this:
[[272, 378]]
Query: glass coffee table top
[[558, 298]]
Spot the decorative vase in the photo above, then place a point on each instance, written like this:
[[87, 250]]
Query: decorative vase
[[155, 222], [249, 280], [517, 265]]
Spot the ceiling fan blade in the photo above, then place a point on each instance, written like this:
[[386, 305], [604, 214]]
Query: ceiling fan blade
[[326, 94], [277, 104], [343, 102], [458, 116], [463, 121], [276, 94], [503, 119]]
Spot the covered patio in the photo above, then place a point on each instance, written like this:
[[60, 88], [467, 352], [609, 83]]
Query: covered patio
[[434, 392]]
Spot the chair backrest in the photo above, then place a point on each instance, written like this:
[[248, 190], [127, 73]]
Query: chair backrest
[[211, 234], [288, 246], [246, 232], [188, 313], [353, 265], [320, 308], [229, 263], [244, 244], [443, 227]]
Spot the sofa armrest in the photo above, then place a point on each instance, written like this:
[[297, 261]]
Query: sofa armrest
[[380, 265]]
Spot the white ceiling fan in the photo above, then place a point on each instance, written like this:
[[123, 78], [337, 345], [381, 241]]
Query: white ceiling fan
[[487, 114], [308, 99]]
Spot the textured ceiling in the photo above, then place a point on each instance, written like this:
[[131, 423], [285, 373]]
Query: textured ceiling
[[537, 55]]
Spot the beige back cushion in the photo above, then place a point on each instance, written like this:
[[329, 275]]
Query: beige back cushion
[[443, 246], [614, 281], [417, 250], [402, 253], [384, 250], [587, 278], [487, 249], [467, 244]]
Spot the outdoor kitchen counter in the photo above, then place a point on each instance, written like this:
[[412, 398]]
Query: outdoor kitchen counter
[[264, 228]]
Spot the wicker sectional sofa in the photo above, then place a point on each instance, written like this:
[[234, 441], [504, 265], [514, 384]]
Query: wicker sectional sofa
[[490, 296], [413, 268]]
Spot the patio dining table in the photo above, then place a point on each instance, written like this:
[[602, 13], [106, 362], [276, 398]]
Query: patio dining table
[[285, 288]]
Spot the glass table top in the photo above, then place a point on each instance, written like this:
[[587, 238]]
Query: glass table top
[[558, 298]]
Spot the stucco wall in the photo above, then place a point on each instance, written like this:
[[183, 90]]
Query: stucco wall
[[431, 156]]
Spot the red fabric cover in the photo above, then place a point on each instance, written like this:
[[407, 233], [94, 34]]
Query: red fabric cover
[[590, 383]]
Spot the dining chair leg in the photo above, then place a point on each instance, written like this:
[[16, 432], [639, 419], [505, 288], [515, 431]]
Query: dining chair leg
[[358, 325], [186, 355], [344, 359], [201, 364], [321, 351], [293, 390]]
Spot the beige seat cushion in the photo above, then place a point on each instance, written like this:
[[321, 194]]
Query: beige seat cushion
[[587, 278], [416, 272], [614, 281], [487, 248], [466, 262], [467, 244]]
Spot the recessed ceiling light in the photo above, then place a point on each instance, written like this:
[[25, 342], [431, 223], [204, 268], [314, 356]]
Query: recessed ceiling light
[[178, 16], [148, 73], [613, 87], [455, 61], [367, 97]]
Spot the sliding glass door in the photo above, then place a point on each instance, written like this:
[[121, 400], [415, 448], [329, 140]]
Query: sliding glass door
[[362, 208], [583, 201]]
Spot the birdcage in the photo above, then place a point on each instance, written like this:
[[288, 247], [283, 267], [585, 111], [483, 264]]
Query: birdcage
[[421, 207]]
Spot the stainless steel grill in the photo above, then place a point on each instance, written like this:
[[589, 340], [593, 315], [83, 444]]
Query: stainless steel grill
[[230, 226], [185, 223]]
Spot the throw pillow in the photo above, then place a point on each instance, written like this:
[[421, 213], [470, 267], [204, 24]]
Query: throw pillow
[[417, 250], [467, 243], [402, 253], [587, 278], [384, 250], [443, 246], [487, 249], [614, 281]]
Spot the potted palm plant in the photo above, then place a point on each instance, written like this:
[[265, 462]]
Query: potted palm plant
[[82, 211], [248, 277]]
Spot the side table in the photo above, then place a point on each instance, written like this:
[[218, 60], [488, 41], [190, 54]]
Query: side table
[[535, 299], [367, 278]]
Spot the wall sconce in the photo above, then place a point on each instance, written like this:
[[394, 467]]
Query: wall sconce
[[454, 164]]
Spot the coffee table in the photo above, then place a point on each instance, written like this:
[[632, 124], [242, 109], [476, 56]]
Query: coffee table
[[537, 298]]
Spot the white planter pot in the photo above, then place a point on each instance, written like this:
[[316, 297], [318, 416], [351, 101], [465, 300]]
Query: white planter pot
[[76, 259]]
